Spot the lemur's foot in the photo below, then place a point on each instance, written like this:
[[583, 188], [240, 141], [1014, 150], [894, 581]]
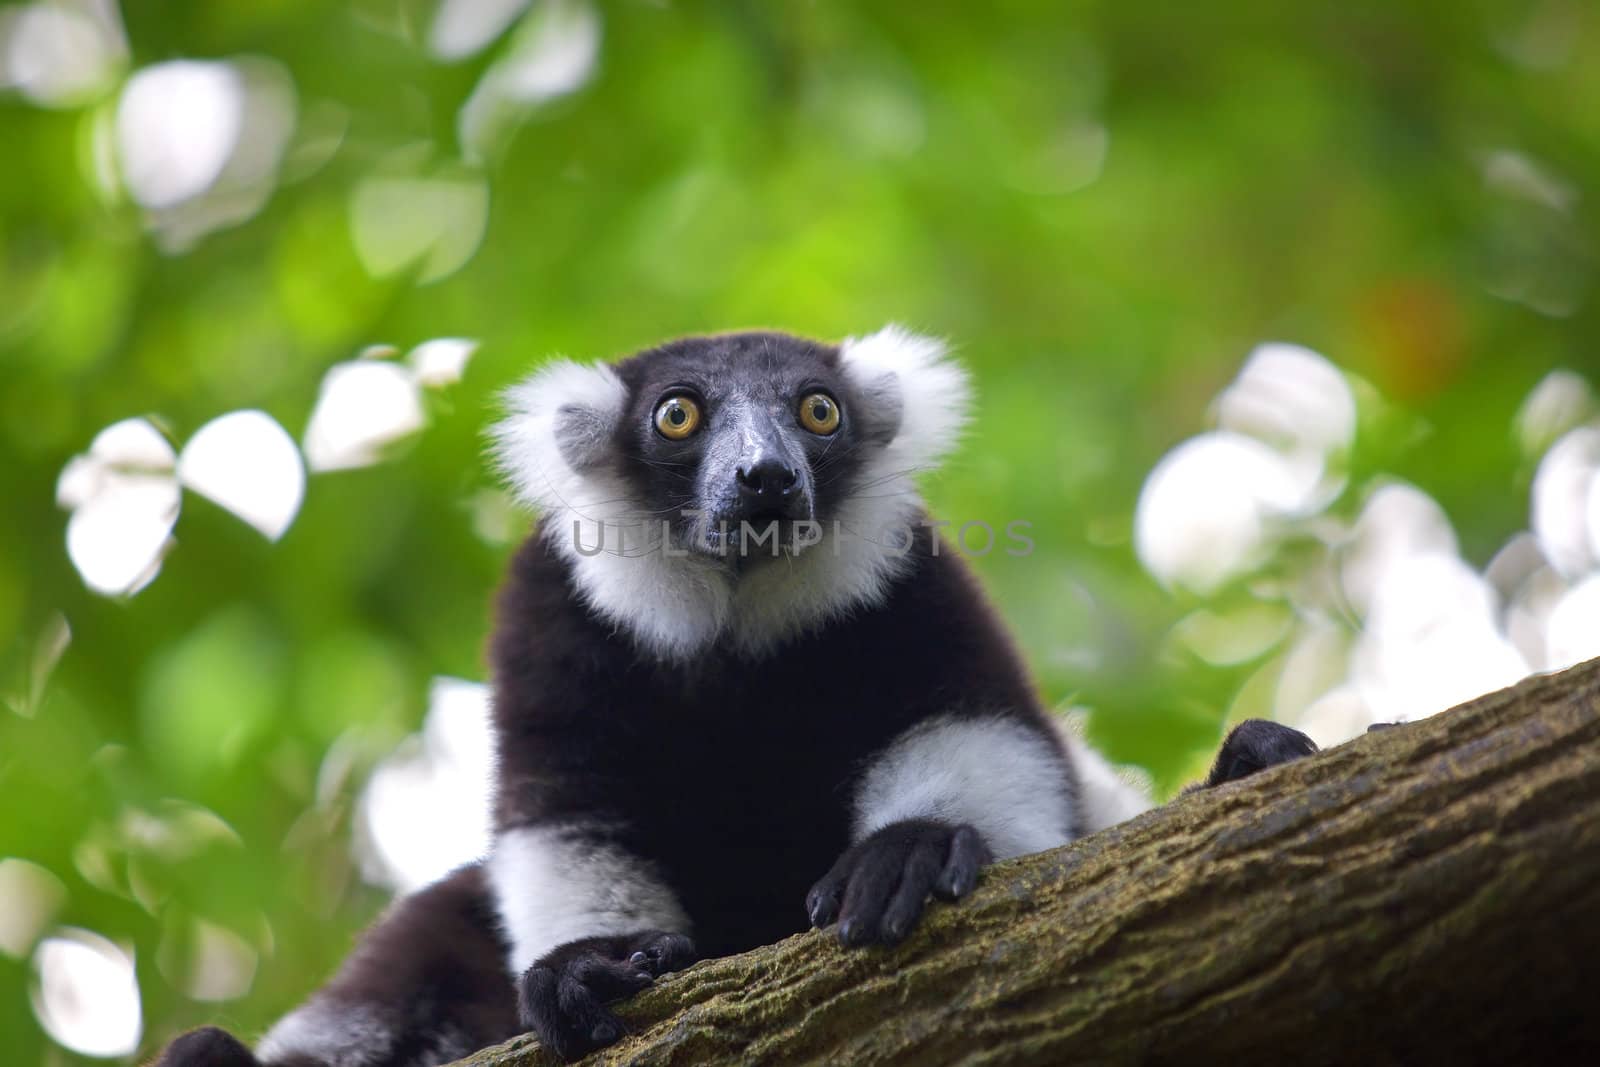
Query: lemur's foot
[[562, 997], [1255, 745], [207, 1047], [877, 889]]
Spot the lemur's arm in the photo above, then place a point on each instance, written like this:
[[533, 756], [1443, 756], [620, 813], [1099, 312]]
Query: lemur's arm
[[588, 923], [952, 794], [946, 797]]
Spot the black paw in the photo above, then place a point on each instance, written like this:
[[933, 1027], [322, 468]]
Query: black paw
[[206, 1047], [1255, 745], [562, 997], [878, 888]]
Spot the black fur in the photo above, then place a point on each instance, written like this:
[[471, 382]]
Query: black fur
[[210, 1046], [563, 996], [878, 888], [1254, 745]]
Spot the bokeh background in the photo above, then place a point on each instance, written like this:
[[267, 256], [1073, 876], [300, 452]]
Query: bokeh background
[[1283, 318]]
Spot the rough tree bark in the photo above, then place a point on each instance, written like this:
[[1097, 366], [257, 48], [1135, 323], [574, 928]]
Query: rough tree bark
[[1428, 893]]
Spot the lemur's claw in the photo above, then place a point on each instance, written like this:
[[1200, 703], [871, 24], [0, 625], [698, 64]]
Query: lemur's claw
[[878, 888]]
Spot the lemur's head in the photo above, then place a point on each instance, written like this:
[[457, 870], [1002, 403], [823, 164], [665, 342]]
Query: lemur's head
[[684, 471]]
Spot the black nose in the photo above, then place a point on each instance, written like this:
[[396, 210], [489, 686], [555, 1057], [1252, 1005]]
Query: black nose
[[768, 482]]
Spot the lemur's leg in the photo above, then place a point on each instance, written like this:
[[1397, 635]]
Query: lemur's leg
[[1254, 745], [932, 809], [588, 924], [426, 984]]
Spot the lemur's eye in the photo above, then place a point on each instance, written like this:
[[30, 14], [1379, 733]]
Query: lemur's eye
[[677, 417], [819, 414]]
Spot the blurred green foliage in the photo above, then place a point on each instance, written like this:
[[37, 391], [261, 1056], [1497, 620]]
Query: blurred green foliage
[[1104, 205]]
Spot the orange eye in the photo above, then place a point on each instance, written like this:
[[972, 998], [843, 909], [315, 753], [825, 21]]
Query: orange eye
[[677, 417], [819, 414]]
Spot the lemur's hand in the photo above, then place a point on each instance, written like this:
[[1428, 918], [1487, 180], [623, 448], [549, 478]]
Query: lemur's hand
[[878, 887], [562, 997], [1254, 745]]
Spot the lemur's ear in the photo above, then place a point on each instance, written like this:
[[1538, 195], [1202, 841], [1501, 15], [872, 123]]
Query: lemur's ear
[[557, 430], [914, 395]]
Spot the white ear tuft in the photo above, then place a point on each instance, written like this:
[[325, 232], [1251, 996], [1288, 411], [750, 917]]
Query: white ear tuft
[[899, 368], [554, 434]]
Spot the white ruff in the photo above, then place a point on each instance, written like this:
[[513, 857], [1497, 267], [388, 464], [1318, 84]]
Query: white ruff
[[993, 773], [555, 884], [675, 607]]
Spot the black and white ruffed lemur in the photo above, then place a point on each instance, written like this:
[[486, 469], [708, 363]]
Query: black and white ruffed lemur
[[709, 738]]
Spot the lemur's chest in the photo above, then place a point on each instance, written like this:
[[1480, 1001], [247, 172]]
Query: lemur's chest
[[743, 797], [745, 765]]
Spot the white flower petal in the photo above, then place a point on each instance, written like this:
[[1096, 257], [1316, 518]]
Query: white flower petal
[[60, 54], [426, 809], [1200, 518], [1560, 500], [1431, 640], [553, 52], [135, 444], [443, 360], [80, 480], [363, 406], [462, 28], [247, 463], [200, 142], [116, 538], [86, 995], [177, 124], [1397, 522], [1572, 632], [1560, 402], [1292, 397]]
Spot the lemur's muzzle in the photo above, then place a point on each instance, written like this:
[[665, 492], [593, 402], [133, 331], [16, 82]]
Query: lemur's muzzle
[[769, 478], [768, 488]]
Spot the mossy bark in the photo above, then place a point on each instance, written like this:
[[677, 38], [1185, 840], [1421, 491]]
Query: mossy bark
[[1427, 893]]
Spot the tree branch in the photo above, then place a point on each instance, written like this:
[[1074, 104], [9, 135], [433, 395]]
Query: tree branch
[[1426, 892]]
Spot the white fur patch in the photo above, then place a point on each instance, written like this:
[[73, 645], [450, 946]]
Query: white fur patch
[[1107, 795], [671, 606], [526, 442], [994, 773], [676, 606], [932, 389], [339, 1035], [555, 884]]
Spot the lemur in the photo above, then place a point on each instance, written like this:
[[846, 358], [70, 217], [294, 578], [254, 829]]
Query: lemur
[[741, 686]]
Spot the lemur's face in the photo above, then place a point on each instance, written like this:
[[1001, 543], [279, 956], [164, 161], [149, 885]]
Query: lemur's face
[[742, 442], [732, 448]]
